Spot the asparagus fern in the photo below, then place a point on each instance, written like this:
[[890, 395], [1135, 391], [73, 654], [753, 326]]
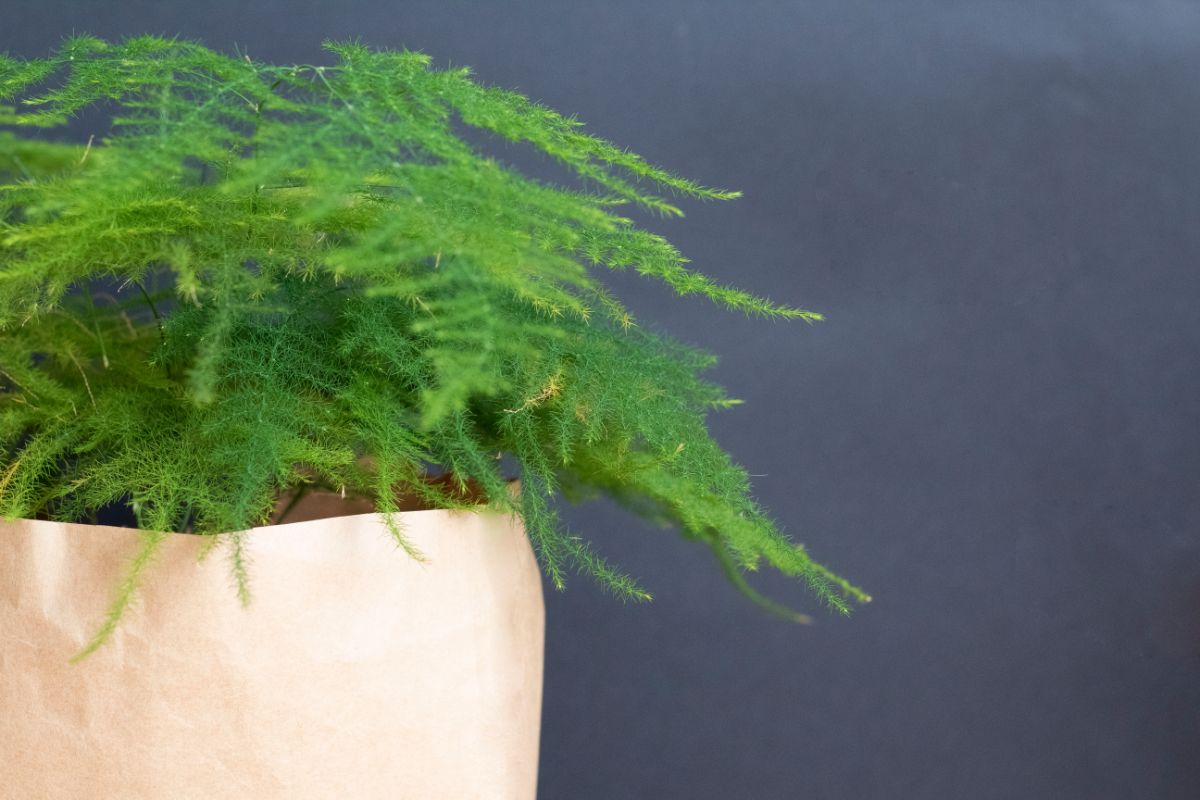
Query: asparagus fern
[[269, 277]]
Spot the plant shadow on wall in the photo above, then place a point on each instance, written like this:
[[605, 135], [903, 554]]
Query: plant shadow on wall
[[311, 280]]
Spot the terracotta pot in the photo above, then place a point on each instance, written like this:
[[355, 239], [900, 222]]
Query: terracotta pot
[[356, 672]]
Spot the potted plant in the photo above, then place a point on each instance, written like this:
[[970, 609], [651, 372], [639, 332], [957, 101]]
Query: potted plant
[[272, 311]]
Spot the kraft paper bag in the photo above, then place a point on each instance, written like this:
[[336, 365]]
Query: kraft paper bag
[[357, 672]]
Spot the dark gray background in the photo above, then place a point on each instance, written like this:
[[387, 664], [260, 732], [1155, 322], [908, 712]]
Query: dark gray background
[[995, 431]]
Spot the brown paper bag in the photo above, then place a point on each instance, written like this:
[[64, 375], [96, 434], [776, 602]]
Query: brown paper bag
[[356, 672]]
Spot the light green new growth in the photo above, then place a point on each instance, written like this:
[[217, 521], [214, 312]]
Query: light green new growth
[[270, 277]]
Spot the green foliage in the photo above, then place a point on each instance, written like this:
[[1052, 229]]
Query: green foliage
[[270, 277]]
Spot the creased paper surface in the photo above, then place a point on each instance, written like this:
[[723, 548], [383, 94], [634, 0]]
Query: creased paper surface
[[355, 673]]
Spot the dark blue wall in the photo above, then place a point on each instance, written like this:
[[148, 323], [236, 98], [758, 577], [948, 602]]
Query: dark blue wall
[[996, 431]]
